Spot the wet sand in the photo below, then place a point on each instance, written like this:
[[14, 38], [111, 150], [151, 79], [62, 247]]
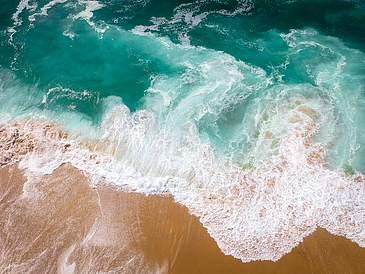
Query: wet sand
[[58, 223]]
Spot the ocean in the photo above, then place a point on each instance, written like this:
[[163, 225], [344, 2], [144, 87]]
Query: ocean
[[250, 113]]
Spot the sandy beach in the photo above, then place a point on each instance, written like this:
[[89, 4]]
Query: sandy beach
[[59, 223], [182, 137]]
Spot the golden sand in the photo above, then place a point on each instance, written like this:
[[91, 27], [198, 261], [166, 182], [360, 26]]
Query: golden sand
[[58, 223]]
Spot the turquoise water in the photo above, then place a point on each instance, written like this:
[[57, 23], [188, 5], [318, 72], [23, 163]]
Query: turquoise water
[[59, 59], [170, 82]]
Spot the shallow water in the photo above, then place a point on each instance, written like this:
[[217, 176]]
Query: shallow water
[[249, 112], [64, 226]]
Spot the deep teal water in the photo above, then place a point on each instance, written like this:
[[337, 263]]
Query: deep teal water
[[208, 94], [60, 60]]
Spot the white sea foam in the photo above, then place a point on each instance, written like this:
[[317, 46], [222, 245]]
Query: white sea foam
[[69, 34], [186, 17], [87, 14], [335, 67], [23, 5], [265, 210], [44, 9], [60, 92], [259, 212]]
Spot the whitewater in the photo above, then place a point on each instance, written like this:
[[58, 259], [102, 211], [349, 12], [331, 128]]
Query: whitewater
[[256, 128]]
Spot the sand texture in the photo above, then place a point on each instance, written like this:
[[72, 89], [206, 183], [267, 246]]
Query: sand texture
[[59, 223]]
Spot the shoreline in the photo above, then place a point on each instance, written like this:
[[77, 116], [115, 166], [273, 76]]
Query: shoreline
[[60, 223], [100, 226], [182, 137]]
